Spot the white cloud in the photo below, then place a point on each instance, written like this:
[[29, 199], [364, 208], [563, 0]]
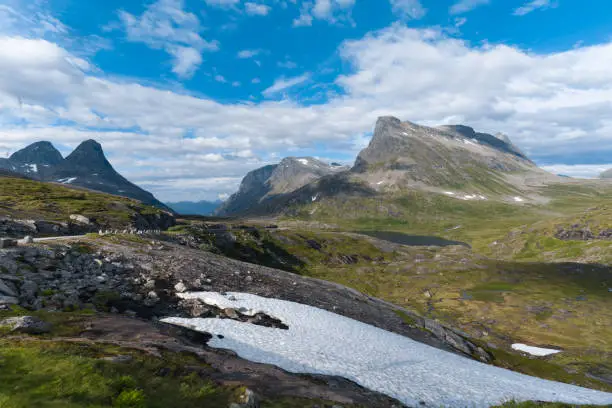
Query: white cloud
[[578, 170], [255, 81], [283, 84], [222, 3], [532, 6], [186, 60], [220, 78], [254, 9], [236, 84], [463, 6], [412, 9], [166, 25], [332, 11], [245, 54], [554, 106]]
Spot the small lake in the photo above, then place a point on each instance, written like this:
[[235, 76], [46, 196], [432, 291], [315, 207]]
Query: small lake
[[412, 240]]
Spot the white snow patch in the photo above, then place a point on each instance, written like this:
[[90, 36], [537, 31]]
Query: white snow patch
[[468, 197], [534, 351], [449, 193], [67, 180], [33, 168], [314, 198], [304, 161], [321, 342], [518, 199], [380, 182]]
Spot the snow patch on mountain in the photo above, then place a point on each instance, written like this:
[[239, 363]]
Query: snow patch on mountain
[[67, 180], [321, 342], [534, 351]]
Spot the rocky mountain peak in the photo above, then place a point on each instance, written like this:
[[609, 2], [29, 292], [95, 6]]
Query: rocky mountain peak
[[39, 153], [88, 155]]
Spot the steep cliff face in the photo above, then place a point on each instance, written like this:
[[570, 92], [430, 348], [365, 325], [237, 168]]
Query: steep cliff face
[[276, 180], [443, 156]]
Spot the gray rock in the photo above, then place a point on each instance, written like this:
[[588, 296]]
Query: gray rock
[[28, 289], [180, 287], [6, 290], [231, 313], [195, 308], [8, 300], [80, 219], [27, 324], [28, 239], [7, 243]]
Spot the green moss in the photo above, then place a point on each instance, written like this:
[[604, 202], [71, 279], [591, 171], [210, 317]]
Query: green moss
[[53, 374], [409, 320], [23, 198]]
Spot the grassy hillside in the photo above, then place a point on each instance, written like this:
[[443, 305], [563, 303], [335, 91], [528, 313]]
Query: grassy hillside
[[497, 302], [28, 199], [61, 369]]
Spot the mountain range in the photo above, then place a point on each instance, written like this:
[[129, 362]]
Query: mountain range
[[195, 207], [86, 167], [453, 160]]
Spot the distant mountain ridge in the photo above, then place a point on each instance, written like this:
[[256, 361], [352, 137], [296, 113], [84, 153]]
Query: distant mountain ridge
[[276, 180], [454, 160], [195, 207], [85, 167]]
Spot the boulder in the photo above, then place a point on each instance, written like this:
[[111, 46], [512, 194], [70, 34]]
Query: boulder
[[7, 243], [180, 287], [27, 325], [80, 219], [28, 239], [6, 290], [8, 300]]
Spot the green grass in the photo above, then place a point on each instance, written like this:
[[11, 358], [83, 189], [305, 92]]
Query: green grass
[[46, 372], [56, 374], [23, 198]]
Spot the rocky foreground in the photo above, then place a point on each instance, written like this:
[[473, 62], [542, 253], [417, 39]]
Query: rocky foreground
[[131, 282]]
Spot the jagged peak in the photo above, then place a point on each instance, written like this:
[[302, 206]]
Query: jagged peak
[[38, 153]]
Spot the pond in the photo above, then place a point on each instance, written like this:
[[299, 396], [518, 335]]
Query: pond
[[412, 240]]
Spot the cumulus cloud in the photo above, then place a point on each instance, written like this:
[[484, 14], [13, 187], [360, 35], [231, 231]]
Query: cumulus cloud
[[412, 9], [166, 25], [463, 6], [532, 6], [554, 106], [255, 9], [332, 11]]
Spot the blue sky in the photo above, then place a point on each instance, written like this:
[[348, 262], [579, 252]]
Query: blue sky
[[186, 96]]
